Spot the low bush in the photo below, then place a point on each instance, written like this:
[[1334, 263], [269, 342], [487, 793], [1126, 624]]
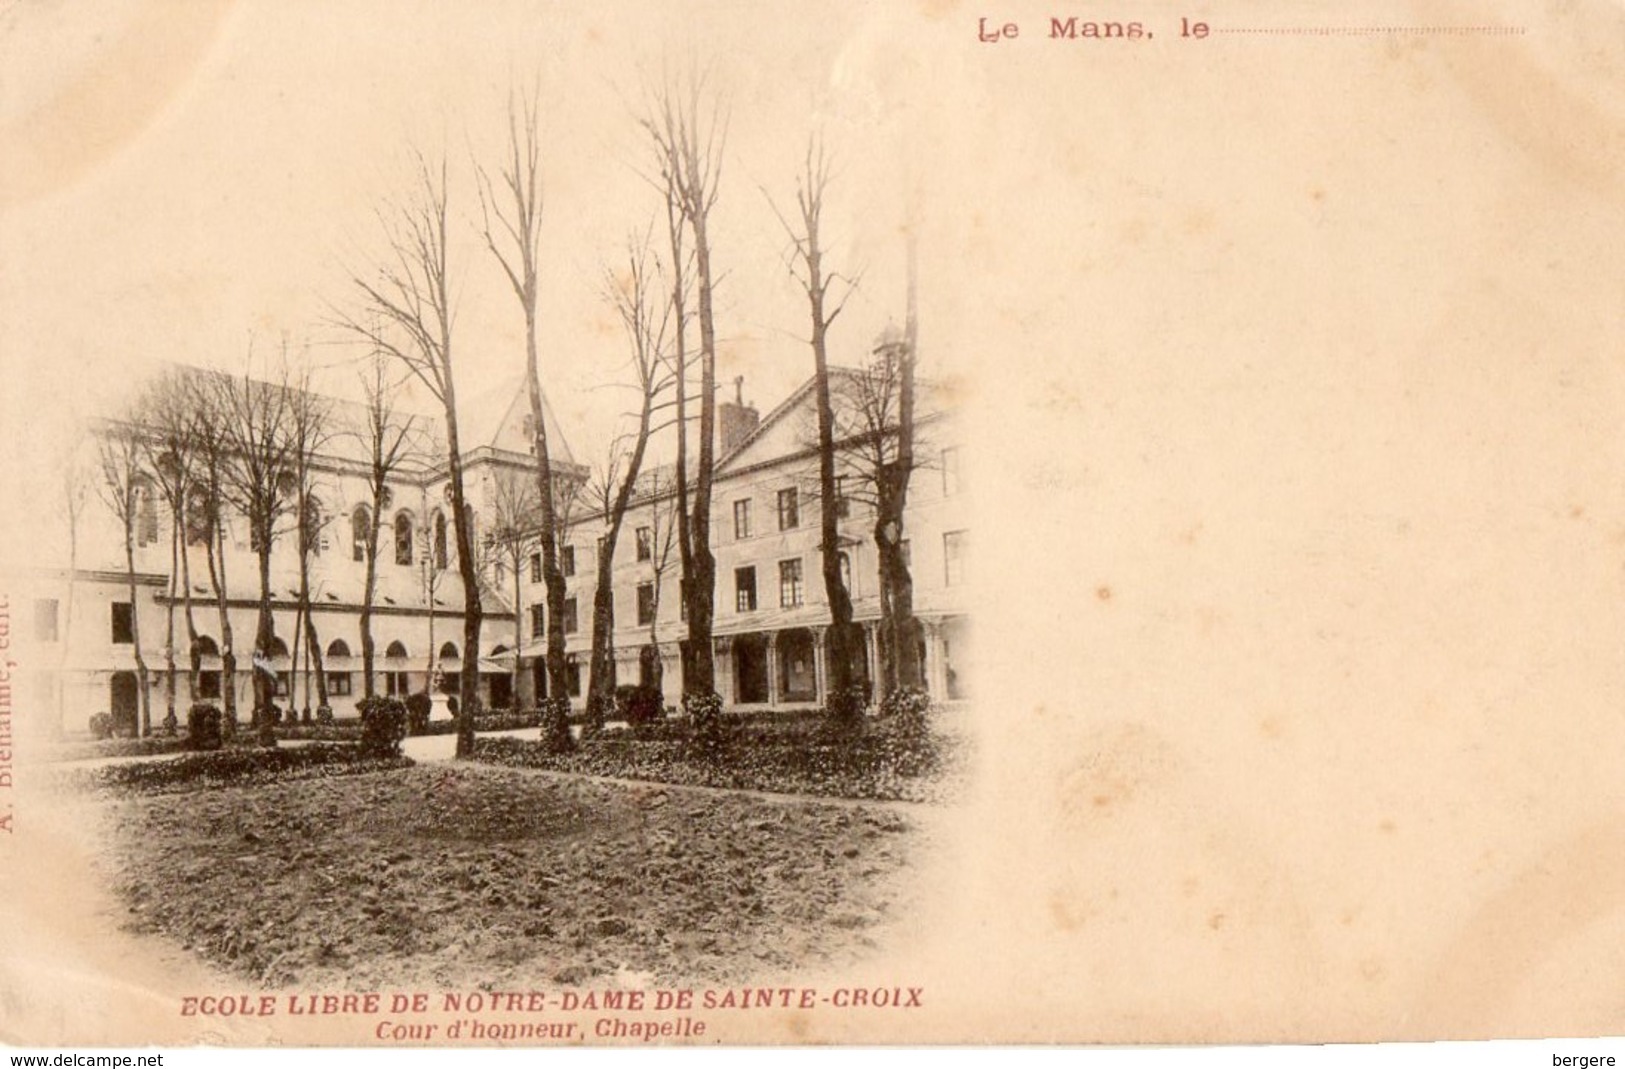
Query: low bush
[[418, 708], [203, 731], [644, 707], [882, 765], [556, 725], [101, 726], [704, 713], [383, 726], [324, 714], [231, 767]]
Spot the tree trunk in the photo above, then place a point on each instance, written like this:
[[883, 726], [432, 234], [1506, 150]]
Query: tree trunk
[[601, 668], [702, 587], [473, 613], [368, 648], [843, 638], [555, 726], [228, 652], [169, 635], [518, 638], [144, 727], [264, 633], [194, 657]]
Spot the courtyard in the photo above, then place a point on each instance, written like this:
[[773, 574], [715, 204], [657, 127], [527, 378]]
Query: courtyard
[[456, 875]]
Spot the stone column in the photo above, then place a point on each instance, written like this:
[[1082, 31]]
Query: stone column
[[773, 669]]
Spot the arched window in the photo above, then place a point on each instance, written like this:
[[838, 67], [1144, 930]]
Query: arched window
[[313, 525], [448, 652], [403, 538], [338, 648], [279, 648], [397, 651], [360, 522], [439, 539]]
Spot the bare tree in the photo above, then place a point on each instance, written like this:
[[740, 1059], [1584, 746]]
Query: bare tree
[[662, 539], [173, 456], [878, 435], [388, 438], [203, 395], [689, 131], [515, 520], [408, 314], [843, 639], [517, 212], [127, 489], [261, 484], [645, 314], [310, 428]]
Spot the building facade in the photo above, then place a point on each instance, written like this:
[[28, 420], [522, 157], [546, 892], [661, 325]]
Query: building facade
[[771, 611], [80, 623]]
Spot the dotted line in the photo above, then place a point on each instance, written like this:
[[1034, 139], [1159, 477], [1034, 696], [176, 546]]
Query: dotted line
[[1376, 31]]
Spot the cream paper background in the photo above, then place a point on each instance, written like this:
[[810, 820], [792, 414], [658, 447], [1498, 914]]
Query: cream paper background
[[1292, 370]]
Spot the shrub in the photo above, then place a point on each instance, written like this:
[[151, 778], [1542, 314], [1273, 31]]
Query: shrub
[[170, 723], [845, 709], [556, 725], [243, 765], [383, 726], [203, 727], [704, 712], [324, 714], [101, 725], [418, 707], [645, 706], [908, 708]]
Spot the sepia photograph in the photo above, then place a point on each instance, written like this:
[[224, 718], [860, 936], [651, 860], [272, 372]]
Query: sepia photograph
[[549, 524]]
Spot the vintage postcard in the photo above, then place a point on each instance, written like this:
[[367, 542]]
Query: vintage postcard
[[547, 524]]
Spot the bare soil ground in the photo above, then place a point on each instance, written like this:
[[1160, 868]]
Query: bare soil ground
[[469, 876]]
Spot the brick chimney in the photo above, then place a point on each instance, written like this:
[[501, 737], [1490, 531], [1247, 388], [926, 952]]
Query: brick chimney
[[735, 419]]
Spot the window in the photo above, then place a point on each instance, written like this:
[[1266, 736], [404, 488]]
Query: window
[[45, 625], [952, 483], [440, 539], [645, 543], [499, 573], [208, 684], [570, 616], [646, 604], [123, 623], [572, 674], [742, 518], [537, 623], [403, 538], [311, 535], [843, 506], [359, 523], [953, 557], [845, 564], [567, 560], [338, 684], [682, 600], [789, 516], [789, 583], [536, 567], [745, 589]]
